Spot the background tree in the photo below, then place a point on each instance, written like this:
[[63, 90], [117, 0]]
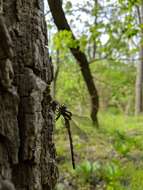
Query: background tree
[[139, 75]]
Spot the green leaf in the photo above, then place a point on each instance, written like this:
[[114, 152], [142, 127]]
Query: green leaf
[[68, 5]]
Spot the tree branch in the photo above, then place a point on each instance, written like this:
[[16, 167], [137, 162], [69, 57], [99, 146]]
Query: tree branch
[[62, 24]]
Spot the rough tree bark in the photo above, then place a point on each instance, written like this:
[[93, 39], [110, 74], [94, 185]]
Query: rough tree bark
[[139, 75], [62, 24], [27, 153], [56, 73]]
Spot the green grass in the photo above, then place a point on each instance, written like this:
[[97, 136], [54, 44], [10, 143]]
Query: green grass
[[109, 158]]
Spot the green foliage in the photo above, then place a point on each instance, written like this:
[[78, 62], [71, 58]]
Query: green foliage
[[110, 172], [115, 87], [133, 175], [64, 39], [122, 143], [68, 5], [115, 76], [85, 170], [83, 42], [129, 3], [137, 180], [106, 165], [73, 89], [115, 79], [114, 72]]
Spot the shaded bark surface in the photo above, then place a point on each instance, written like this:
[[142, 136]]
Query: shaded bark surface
[[62, 24], [27, 152]]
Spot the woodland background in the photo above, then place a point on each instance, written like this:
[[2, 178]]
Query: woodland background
[[109, 33]]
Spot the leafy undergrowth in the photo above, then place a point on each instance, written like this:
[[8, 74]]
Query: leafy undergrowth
[[110, 158]]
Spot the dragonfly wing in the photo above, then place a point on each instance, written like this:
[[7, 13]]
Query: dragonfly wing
[[78, 131], [83, 117]]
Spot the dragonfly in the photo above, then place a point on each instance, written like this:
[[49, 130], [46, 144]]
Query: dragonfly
[[62, 110]]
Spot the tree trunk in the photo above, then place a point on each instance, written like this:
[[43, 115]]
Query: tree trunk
[[62, 24], [95, 24], [27, 153], [139, 75], [139, 85]]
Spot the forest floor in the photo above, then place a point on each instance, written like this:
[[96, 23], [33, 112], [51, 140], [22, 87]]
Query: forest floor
[[109, 158]]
